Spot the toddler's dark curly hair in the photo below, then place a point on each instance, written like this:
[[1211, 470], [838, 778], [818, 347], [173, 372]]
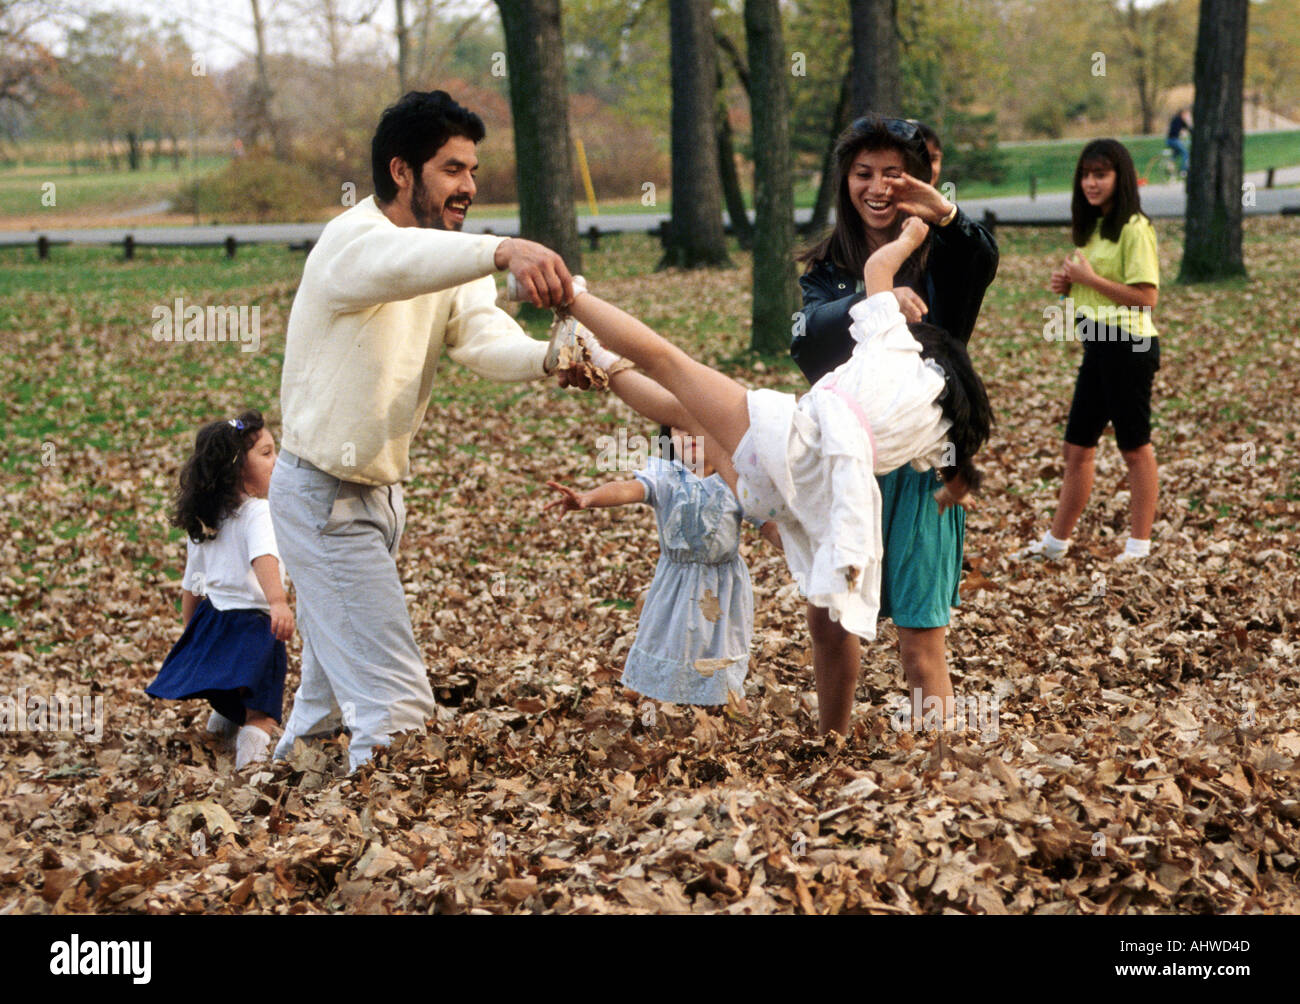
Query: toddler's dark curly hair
[[212, 480]]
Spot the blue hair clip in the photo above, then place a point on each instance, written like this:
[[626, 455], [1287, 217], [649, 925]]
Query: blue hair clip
[[237, 424]]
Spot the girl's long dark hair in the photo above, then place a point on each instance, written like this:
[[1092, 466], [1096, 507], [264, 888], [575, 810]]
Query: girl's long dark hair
[[965, 403], [845, 244], [212, 479], [1123, 204]]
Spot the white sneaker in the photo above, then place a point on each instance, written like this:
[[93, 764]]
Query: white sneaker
[[1037, 550], [250, 746], [220, 725], [563, 346], [1127, 556]]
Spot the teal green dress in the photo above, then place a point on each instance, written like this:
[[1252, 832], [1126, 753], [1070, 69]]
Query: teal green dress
[[923, 550]]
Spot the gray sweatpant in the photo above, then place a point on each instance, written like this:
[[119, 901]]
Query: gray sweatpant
[[360, 663]]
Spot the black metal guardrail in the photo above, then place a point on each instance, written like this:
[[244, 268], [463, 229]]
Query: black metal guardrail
[[592, 234]]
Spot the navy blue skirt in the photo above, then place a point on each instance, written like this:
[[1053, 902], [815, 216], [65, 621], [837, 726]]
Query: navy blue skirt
[[228, 657]]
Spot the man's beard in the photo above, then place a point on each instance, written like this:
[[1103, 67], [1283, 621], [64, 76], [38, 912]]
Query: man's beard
[[426, 214]]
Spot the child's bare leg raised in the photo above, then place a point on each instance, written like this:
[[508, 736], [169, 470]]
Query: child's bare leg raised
[[715, 401]]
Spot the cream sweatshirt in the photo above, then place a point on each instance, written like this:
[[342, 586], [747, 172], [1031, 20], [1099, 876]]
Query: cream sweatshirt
[[376, 305]]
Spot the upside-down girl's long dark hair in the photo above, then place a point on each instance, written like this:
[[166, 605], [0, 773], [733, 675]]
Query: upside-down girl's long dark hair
[[211, 481], [965, 402], [1125, 202], [846, 243]]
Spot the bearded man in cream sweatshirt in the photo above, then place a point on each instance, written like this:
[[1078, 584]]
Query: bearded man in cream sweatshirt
[[389, 284]]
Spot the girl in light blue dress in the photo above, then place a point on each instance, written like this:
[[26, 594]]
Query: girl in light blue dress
[[692, 641]]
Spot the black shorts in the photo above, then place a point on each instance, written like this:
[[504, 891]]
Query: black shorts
[[1113, 387]]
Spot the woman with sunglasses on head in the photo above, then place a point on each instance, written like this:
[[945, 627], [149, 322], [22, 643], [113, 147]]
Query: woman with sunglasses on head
[[884, 175]]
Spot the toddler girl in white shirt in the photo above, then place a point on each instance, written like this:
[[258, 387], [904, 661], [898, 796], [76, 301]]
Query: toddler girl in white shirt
[[233, 602]]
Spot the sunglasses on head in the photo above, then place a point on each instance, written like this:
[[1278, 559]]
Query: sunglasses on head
[[902, 129]]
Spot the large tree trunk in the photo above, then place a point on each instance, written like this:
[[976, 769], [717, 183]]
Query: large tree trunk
[[776, 287], [826, 187], [697, 238], [877, 86], [1212, 247], [731, 190], [539, 104]]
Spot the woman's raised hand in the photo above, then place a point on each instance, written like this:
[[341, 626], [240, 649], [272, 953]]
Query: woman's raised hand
[[911, 195]]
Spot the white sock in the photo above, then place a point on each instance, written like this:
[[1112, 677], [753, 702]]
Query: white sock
[[1054, 548], [601, 357], [1135, 548]]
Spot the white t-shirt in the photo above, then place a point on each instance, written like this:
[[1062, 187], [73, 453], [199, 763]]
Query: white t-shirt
[[222, 568]]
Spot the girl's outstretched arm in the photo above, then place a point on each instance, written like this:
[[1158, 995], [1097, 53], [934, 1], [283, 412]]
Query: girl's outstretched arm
[[605, 497]]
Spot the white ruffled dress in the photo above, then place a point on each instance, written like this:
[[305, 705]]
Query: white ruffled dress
[[810, 465]]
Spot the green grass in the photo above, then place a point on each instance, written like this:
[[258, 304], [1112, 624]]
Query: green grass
[[100, 191]]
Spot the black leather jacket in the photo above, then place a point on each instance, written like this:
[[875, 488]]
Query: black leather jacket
[[965, 256]]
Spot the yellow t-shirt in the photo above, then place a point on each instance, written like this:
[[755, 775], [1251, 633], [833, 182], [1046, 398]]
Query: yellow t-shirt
[[1130, 260]]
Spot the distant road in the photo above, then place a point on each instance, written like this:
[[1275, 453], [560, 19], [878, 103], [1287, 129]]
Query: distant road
[[1157, 200]]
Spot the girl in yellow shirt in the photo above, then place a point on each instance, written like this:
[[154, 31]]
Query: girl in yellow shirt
[[1113, 281]]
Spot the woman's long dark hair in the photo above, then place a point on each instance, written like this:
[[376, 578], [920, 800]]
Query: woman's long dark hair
[[965, 402], [845, 244], [212, 479], [1123, 204]]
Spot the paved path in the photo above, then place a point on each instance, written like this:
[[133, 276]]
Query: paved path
[[1157, 200]]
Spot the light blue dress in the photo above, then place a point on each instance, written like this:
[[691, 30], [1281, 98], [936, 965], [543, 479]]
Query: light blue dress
[[701, 603]]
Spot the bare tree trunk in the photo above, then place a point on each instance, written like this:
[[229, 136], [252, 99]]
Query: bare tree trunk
[[539, 107], [877, 86], [731, 190], [263, 93], [403, 46], [826, 187], [1212, 245], [697, 238], [776, 287]]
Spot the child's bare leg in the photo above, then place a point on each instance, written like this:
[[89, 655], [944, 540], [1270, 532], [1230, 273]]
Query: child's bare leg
[[715, 401], [652, 401], [837, 659], [264, 722]]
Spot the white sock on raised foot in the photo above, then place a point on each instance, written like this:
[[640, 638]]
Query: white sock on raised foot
[[250, 746], [600, 356]]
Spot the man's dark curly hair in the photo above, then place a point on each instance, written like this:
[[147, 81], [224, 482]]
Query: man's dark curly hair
[[212, 480], [415, 129]]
